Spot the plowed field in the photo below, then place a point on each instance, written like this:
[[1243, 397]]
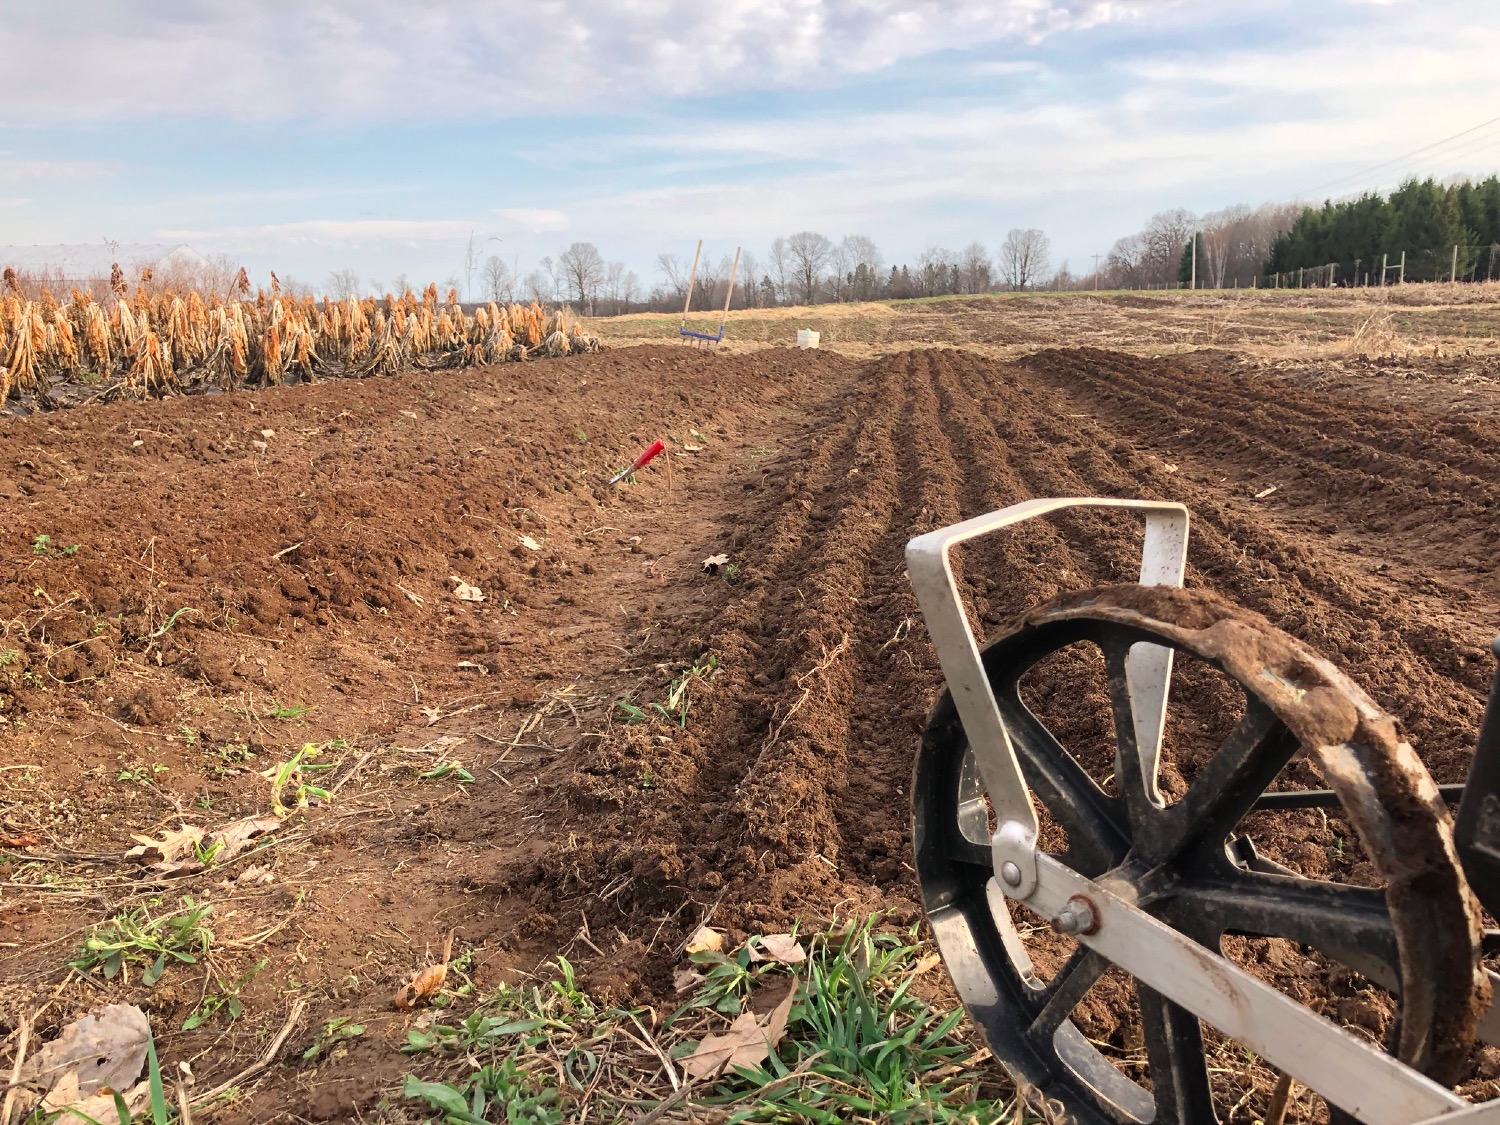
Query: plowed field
[[261, 571]]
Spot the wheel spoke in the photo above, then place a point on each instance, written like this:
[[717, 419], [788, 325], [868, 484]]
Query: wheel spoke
[[1096, 836], [1065, 992], [1352, 925], [1179, 1071], [1227, 787]]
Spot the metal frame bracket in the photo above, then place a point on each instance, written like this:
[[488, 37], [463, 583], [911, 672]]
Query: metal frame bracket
[[1163, 561]]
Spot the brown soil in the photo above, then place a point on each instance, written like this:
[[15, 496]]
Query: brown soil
[[316, 574]]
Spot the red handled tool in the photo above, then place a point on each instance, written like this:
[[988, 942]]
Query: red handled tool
[[640, 462]]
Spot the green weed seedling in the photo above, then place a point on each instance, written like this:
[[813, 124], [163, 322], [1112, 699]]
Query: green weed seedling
[[226, 1002], [292, 775], [136, 937], [679, 700], [630, 711], [858, 1045], [331, 1033], [295, 711], [42, 546], [443, 770]]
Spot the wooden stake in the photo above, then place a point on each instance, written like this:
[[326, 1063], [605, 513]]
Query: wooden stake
[[692, 280]]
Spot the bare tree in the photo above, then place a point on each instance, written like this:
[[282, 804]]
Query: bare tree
[[747, 280], [675, 274], [1023, 257], [498, 282], [975, 268], [471, 264], [630, 290], [936, 266], [582, 266], [1162, 242], [840, 271], [539, 286], [864, 263], [810, 253], [343, 284], [548, 268], [781, 269]]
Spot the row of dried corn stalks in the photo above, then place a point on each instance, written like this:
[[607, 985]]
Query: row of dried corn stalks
[[154, 344]]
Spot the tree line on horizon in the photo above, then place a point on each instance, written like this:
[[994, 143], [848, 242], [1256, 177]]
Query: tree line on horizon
[[1238, 246]]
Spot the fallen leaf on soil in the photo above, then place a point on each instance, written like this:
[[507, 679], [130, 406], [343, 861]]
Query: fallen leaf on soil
[[464, 592], [268, 433], [432, 714], [1168, 467], [260, 446], [426, 982], [747, 1042], [704, 940], [107, 1047], [178, 852], [529, 543], [927, 963], [685, 980], [25, 840], [777, 947], [100, 1108], [713, 562], [253, 876], [169, 849], [470, 666], [1264, 492], [692, 448]]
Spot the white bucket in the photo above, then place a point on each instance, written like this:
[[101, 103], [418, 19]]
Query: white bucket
[[807, 338]]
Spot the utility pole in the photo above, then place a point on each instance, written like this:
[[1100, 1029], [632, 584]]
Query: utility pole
[[1384, 265], [1096, 271], [1453, 273], [1193, 284]]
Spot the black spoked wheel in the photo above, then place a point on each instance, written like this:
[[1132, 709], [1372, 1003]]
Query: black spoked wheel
[[1189, 865]]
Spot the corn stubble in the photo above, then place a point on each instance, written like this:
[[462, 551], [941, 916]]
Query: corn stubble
[[166, 343]]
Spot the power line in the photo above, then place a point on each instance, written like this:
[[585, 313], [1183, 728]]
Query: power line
[[1385, 164]]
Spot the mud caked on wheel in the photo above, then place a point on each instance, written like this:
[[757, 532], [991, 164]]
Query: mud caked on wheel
[[1189, 862]]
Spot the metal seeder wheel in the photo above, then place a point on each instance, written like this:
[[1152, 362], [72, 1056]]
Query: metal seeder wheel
[[1152, 887]]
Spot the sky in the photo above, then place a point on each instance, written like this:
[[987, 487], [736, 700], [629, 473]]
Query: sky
[[379, 136]]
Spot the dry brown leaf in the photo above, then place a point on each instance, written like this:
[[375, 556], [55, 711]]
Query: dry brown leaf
[[686, 448], [426, 982], [777, 947], [744, 1044], [177, 852], [465, 592], [704, 940], [776, 1024], [238, 835], [107, 1047], [172, 846], [685, 980], [748, 1041]]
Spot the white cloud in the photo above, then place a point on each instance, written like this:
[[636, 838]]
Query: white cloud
[[535, 220], [349, 58], [325, 234], [14, 170]]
